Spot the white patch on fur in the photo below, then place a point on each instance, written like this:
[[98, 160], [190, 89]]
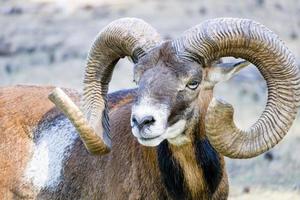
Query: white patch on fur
[[175, 130], [38, 167], [51, 149], [174, 133]]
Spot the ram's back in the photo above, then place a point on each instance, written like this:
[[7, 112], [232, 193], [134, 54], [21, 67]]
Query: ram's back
[[22, 110]]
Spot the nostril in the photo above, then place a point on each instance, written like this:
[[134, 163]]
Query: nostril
[[141, 123], [147, 121], [134, 121]]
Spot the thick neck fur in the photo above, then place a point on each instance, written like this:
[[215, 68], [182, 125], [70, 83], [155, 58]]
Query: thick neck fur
[[190, 171], [193, 170]]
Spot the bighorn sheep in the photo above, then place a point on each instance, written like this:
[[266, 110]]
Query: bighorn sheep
[[172, 110]]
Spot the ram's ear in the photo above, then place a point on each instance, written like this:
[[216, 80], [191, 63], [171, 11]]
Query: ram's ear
[[218, 71]]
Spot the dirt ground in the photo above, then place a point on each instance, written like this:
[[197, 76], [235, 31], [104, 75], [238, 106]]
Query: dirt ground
[[45, 42]]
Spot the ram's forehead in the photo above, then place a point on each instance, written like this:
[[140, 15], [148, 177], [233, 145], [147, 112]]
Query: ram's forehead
[[185, 69], [165, 56]]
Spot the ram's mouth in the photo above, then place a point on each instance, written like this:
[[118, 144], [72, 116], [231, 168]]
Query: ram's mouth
[[174, 134], [149, 139], [151, 142]]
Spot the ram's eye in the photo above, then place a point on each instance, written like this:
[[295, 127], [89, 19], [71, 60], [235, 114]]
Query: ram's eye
[[135, 81], [193, 84]]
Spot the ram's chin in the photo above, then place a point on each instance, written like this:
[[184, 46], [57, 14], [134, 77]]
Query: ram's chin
[[174, 134], [151, 142]]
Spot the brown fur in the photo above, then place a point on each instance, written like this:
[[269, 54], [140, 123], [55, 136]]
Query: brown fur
[[130, 171], [194, 174], [21, 109]]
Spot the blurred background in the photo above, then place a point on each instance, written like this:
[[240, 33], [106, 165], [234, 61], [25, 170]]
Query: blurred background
[[45, 42]]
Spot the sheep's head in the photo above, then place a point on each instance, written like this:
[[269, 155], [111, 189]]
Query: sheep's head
[[167, 98], [169, 77]]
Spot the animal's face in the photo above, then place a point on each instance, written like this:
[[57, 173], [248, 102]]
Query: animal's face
[[167, 97]]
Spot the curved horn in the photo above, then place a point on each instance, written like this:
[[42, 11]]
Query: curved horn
[[251, 41], [124, 37]]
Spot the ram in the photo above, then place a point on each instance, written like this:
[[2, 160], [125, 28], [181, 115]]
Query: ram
[[163, 140]]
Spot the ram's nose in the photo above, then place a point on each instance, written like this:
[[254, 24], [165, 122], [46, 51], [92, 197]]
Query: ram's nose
[[142, 122]]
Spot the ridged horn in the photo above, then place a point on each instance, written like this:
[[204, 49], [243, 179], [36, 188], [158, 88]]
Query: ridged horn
[[254, 42], [123, 37]]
